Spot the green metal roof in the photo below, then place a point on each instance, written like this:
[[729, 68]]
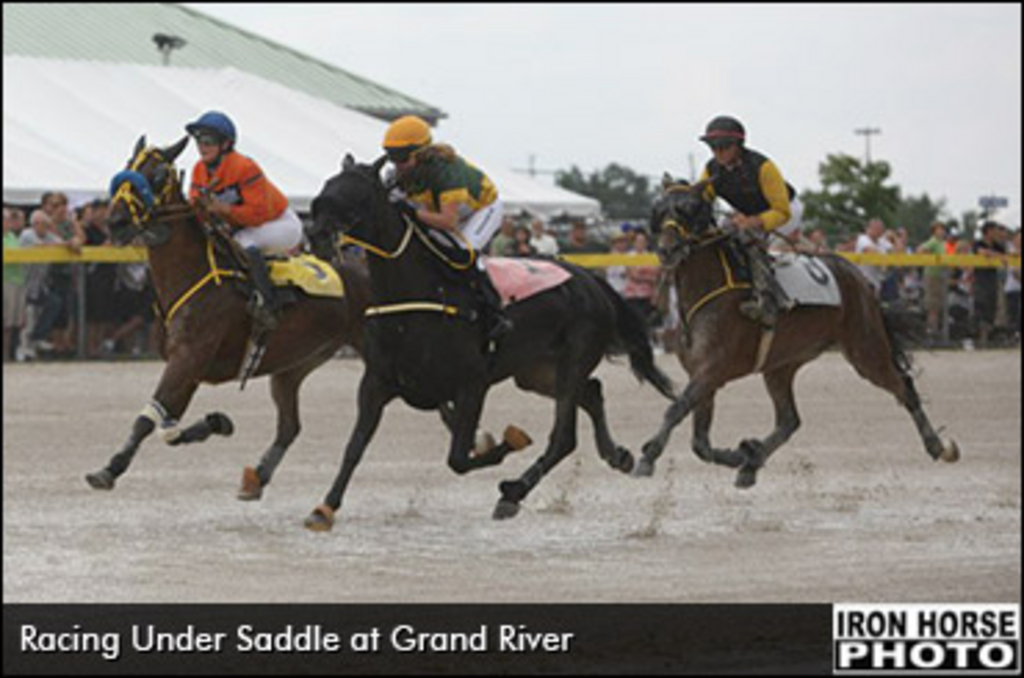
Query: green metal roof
[[123, 33]]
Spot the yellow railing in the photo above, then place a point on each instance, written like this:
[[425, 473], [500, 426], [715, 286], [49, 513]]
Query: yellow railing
[[58, 254]]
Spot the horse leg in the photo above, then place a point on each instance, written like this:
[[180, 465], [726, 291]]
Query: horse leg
[[692, 396], [787, 421], [215, 423], [592, 402], [875, 363], [284, 389], [373, 396], [570, 381], [702, 417], [484, 444], [173, 394]]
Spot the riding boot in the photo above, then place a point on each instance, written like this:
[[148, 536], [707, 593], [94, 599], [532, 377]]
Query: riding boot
[[769, 298], [496, 322], [264, 305]]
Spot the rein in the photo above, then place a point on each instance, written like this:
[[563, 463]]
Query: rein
[[147, 209], [730, 281], [411, 227], [215, 274]]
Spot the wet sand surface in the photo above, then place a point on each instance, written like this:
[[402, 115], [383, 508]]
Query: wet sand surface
[[851, 509]]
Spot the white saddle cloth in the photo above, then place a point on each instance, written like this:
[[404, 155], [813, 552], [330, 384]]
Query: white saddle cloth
[[807, 280]]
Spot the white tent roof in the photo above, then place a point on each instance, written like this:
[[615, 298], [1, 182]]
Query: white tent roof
[[71, 125]]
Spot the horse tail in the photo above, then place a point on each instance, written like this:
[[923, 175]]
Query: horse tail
[[633, 340]]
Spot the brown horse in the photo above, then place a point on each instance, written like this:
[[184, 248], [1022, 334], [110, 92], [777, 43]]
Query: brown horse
[[202, 299], [721, 345]]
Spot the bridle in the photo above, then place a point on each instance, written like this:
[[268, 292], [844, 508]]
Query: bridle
[[148, 208], [411, 228]]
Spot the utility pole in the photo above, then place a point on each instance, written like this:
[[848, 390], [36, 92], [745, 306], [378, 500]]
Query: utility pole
[[868, 132], [532, 168]]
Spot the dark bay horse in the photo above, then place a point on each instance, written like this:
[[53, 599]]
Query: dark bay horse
[[721, 345], [420, 346], [203, 306]]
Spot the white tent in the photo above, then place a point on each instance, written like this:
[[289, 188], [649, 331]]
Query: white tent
[[71, 125]]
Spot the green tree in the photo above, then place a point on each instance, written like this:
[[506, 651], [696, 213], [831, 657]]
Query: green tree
[[623, 193], [852, 192], [917, 216]]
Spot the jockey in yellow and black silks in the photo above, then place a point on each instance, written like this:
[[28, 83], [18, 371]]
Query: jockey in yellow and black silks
[[450, 194], [763, 202]]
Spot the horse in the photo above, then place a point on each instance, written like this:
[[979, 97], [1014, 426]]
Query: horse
[[720, 345], [202, 304], [423, 346]]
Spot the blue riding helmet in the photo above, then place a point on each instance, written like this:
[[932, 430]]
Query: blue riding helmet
[[214, 121]]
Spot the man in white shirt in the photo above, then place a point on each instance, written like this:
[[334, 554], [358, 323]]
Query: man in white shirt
[[871, 240], [542, 241]]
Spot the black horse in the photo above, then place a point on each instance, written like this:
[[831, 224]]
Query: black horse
[[422, 346], [721, 345]]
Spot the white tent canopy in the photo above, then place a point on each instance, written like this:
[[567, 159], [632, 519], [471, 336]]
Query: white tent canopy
[[71, 125]]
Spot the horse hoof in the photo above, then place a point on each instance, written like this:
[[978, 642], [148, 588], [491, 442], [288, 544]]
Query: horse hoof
[[101, 480], [516, 438], [321, 519], [512, 490], [505, 509], [950, 453], [746, 478], [644, 468], [251, 489], [220, 424], [623, 460]]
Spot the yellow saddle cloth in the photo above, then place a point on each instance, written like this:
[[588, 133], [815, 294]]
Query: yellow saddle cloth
[[313, 276]]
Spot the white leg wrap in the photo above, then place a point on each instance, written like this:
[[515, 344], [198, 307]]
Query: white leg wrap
[[167, 428]]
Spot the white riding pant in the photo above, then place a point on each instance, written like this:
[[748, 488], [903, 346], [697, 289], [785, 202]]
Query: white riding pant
[[275, 237], [481, 227], [791, 229]]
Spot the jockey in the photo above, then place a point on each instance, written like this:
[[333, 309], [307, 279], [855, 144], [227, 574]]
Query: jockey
[[232, 186], [764, 203], [449, 194]]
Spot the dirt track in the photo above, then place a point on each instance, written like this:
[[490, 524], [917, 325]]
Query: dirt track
[[852, 509]]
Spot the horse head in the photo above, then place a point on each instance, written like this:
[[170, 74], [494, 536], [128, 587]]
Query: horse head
[[682, 214], [351, 203], [147, 186]]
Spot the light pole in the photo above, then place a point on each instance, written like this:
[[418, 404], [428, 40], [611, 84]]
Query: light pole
[[166, 44], [867, 132]]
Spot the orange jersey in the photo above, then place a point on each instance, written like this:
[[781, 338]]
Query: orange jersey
[[240, 182]]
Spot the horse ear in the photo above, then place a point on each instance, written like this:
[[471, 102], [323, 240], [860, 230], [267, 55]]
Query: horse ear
[[139, 146], [667, 180], [348, 162], [379, 163], [174, 151]]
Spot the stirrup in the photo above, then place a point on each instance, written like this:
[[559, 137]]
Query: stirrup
[[263, 316]]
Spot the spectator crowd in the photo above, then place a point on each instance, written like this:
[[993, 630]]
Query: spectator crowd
[[41, 300], [968, 306]]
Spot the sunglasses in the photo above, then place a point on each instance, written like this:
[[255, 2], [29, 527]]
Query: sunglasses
[[400, 155], [208, 140], [722, 145]]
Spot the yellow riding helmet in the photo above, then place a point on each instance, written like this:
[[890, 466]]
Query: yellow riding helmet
[[408, 132]]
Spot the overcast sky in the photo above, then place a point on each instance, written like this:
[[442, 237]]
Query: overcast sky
[[635, 84]]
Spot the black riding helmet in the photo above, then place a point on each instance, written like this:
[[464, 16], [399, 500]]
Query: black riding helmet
[[724, 130]]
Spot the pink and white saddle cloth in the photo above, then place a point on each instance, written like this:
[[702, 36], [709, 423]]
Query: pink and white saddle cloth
[[519, 279]]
